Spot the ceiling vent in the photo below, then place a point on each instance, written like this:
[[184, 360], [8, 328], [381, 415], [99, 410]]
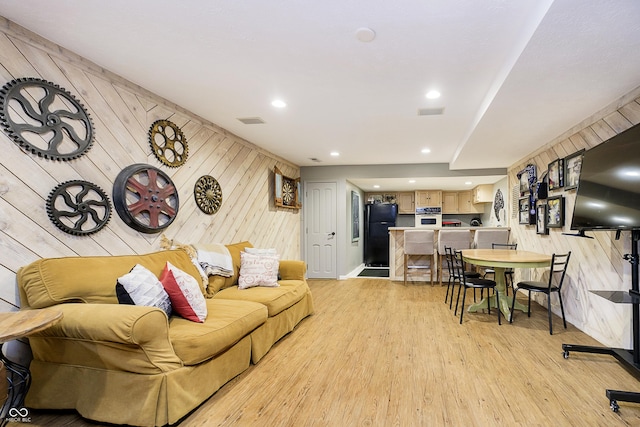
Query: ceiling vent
[[430, 111], [315, 159], [252, 120]]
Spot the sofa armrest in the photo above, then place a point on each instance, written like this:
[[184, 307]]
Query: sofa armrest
[[292, 269], [108, 336]]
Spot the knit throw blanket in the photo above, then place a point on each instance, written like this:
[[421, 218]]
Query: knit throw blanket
[[214, 259], [211, 259]]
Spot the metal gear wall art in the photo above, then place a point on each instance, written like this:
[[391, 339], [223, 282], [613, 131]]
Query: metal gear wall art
[[168, 143], [208, 194], [78, 207], [145, 198], [45, 119]]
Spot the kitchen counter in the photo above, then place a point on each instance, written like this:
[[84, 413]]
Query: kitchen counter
[[396, 247], [446, 228]]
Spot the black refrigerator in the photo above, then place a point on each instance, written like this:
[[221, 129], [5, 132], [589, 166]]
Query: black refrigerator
[[378, 217]]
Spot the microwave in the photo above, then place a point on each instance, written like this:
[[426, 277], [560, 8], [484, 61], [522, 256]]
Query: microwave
[[429, 221]]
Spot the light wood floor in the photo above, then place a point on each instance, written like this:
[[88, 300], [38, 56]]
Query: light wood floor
[[378, 353]]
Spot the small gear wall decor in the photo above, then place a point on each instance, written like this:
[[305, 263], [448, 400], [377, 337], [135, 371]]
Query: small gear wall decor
[[208, 194], [168, 143], [78, 207], [45, 119], [145, 198]]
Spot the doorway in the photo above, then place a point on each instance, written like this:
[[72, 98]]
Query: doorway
[[320, 230]]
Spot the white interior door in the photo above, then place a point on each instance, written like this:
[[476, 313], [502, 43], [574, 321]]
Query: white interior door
[[320, 226]]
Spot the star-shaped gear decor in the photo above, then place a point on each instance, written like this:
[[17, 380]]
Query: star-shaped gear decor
[[208, 194]]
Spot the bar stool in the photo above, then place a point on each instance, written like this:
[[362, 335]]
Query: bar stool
[[456, 240], [483, 239], [486, 239], [419, 243]]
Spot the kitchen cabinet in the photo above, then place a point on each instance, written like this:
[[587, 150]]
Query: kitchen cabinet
[[428, 198], [406, 202], [450, 202], [483, 193], [466, 205]]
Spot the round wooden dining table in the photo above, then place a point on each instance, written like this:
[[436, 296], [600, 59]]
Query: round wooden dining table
[[500, 260]]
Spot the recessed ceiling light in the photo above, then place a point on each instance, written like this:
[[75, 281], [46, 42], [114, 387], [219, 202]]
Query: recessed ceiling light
[[468, 183], [433, 94], [376, 186], [412, 181], [365, 34], [426, 151], [278, 103], [335, 153]]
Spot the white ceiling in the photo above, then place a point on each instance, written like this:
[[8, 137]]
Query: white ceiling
[[513, 74]]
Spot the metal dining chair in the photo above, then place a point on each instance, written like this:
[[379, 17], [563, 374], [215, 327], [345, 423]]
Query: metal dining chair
[[558, 269], [508, 273], [455, 239], [453, 276], [472, 283]]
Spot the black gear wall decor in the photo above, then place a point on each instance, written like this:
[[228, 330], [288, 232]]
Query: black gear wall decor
[[145, 198], [45, 119], [168, 143], [208, 194], [78, 207]]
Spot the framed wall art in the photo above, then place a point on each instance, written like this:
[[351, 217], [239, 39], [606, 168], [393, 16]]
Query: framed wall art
[[572, 167], [523, 210], [555, 175], [541, 219], [555, 212]]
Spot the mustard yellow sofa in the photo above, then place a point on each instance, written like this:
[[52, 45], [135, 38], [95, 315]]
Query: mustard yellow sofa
[[128, 364]]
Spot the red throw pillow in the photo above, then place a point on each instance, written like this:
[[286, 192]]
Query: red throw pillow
[[185, 294]]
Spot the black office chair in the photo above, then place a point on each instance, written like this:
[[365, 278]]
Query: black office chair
[[508, 273], [453, 278], [472, 283], [558, 268]]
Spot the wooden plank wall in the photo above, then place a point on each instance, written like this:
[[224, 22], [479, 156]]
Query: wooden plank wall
[[595, 263], [122, 114]]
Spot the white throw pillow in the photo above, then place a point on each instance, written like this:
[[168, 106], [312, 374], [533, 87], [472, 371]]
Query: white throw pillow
[[143, 288], [258, 270]]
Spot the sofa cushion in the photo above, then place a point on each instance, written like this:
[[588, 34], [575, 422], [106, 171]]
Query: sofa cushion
[[142, 287], [184, 292], [275, 299], [233, 320], [50, 281], [258, 270]]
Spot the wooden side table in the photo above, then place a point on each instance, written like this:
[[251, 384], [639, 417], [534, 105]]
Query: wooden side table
[[14, 325]]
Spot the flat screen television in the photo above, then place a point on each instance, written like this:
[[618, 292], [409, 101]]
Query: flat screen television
[[608, 195]]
